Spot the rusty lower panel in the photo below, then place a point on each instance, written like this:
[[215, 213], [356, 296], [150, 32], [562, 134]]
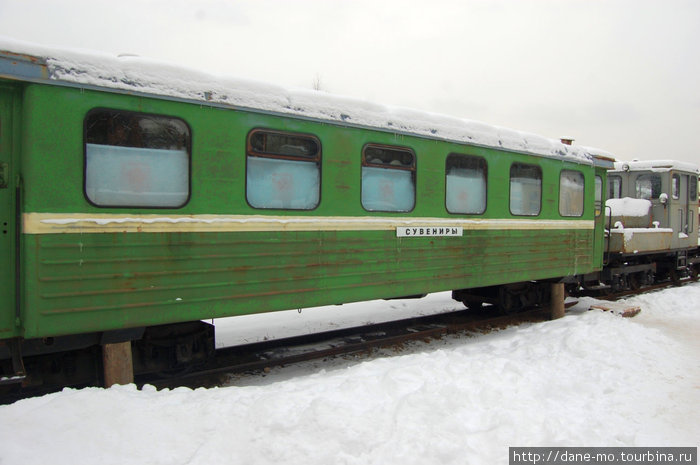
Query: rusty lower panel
[[639, 240], [97, 282]]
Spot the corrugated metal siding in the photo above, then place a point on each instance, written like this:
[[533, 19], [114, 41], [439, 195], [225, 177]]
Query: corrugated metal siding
[[89, 282]]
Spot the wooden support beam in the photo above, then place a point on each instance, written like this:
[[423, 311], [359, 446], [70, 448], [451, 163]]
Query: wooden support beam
[[118, 365], [624, 310], [557, 300]]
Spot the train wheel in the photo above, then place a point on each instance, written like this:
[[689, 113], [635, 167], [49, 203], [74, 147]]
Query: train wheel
[[633, 281], [675, 277], [508, 300], [694, 273], [649, 278]]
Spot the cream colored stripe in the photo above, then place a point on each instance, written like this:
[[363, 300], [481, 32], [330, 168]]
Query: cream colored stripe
[[61, 223]]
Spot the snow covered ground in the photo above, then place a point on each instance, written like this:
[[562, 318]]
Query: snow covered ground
[[589, 379]]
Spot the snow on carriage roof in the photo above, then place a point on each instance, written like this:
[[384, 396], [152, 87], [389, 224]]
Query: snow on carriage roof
[[656, 165], [138, 75]]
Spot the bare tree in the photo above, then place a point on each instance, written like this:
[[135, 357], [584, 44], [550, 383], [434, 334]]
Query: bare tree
[[316, 84]]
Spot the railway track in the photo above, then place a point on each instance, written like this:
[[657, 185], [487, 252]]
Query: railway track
[[642, 290], [261, 357]]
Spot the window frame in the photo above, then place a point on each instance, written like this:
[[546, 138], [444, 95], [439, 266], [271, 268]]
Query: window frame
[[483, 163], [598, 191], [251, 151], [317, 158], [131, 113], [583, 196], [676, 186], [611, 186], [689, 213], [510, 188], [368, 164]]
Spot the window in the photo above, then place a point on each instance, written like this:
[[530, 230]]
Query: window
[[525, 189], [571, 193], [614, 187], [689, 201], [692, 198], [136, 160], [598, 195], [648, 186], [465, 181], [676, 186], [283, 170], [388, 179]]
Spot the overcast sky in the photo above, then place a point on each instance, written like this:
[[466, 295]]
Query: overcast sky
[[620, 75]]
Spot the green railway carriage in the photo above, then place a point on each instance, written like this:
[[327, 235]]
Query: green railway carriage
[[124, 209]]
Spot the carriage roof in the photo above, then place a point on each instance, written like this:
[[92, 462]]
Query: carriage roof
[[135, 75], [656, 166]]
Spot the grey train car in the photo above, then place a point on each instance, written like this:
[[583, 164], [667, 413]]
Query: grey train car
[[651, 223]]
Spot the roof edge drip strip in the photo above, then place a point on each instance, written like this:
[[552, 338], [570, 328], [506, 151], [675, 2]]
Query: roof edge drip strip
[[19, 66]]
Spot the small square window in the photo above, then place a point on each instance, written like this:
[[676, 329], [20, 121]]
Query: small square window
[[648, 186], [283, 170], [571, 187], [136, 160], [525, 189], [676, 186], [388, 179], [598, 195], [465, 184], [614, 187]]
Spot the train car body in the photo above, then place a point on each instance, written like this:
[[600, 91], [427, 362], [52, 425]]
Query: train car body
[[652, 230], [133, 201]]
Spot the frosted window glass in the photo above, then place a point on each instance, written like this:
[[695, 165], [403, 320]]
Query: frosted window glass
[[525, 190], [387, 189], [571, 193], [648, 186], [466, 191], [276, 183], [136, 177], [614, 187], [676, 186]]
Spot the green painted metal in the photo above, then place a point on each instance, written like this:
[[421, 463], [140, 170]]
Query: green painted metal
[[599, 233], [8, 183], [108, 281], [93, 282]]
